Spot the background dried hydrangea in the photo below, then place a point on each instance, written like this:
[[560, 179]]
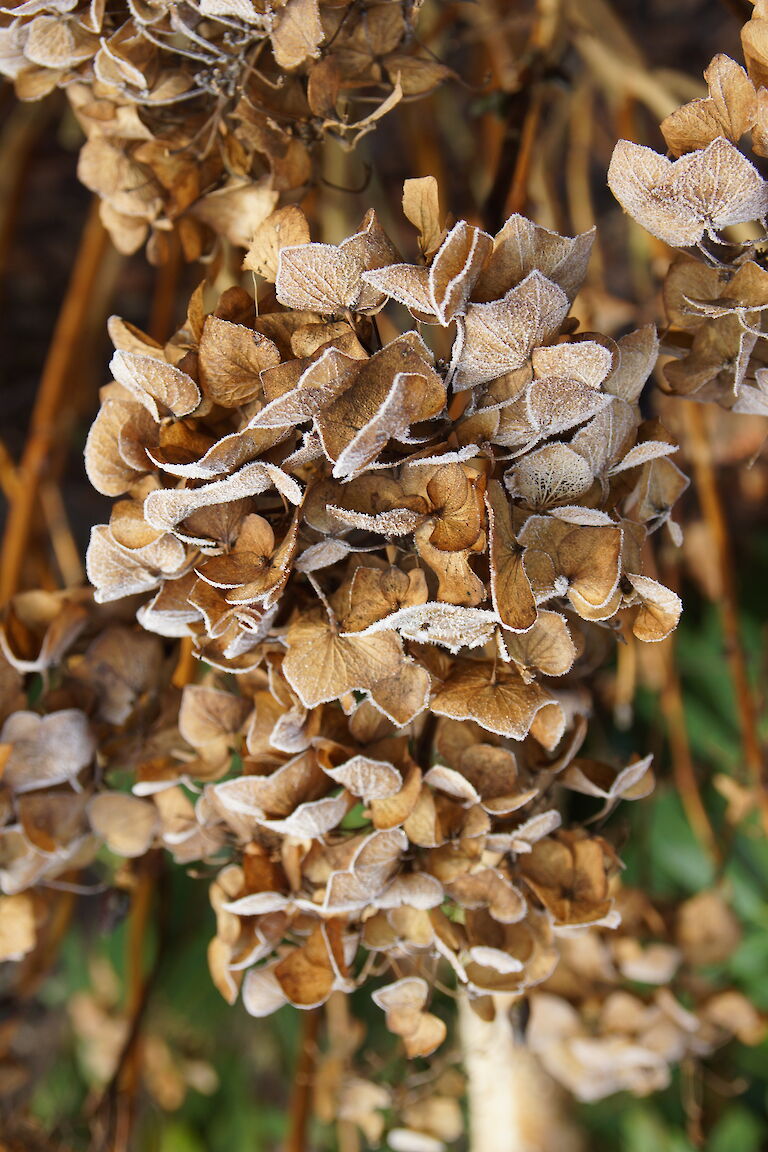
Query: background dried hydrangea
[[715, 297], [198, 116]]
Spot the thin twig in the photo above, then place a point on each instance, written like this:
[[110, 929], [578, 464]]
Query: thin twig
[[33, 970], [714, 513], [117, 1103], [44, 425], [341, 1036], [186, 664], [39, 962], [65, 549], [680, 752], [626, 681], [518, 193], [9, 477], [20, 135], [163, 311], [301, 1099]]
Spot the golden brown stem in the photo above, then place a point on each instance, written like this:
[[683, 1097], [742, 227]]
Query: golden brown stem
[[577, 171], [626, 680], [129, 1072], [301, 1099], [712, 507], [113, 1116], [186, 664], [518, 193], [510, 186], [9, 477], [20, 134], [680, 751], [41, 440], [39, 963], [163, 312], [340, 1030], [63, 543]]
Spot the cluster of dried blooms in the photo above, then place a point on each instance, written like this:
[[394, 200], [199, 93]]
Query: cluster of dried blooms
[[410, 1113], [86, 696], [713, 199], [85, 699], [623, 1007], [78, 686], [413, 548], [400, 514], [199, 114]]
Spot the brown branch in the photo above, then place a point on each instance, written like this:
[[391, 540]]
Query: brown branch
[[518, 193], [65, 549], [9, 477], [44, 425], [342, 1042], [186, 664], [509, 191], [20, 135], [116, 1107], [683, 769], [626, 680], [711, 503], [39, 962], [163, 311], [301, 1099], [36, 966]]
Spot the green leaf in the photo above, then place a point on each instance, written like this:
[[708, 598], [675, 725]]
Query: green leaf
[[177, 1137], [679, 862], [356, 819], [737, 1130], [646, 1131]]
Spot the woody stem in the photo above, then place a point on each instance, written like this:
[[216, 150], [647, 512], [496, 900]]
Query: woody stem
[[513, 1105], [301, 1100], [340, 1029], [40, 443], [713, 509]]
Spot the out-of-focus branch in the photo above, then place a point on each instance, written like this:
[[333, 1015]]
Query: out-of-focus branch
[[44, 426], [706, 486]]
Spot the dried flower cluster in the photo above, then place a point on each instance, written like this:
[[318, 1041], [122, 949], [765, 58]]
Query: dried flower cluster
[[378, 528], [199, 114], [412, 554], [417, 867], [716, 297], [73, 678], [625, 1006]]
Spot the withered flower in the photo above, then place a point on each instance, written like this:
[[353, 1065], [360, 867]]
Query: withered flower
[[199, 115], [716, 299], [625, 1005], [400, 555]]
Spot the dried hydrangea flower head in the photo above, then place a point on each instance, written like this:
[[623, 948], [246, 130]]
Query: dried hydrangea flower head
[[716, 296], [408, 550], [624, 1007], [79, 689], [199, 114]]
